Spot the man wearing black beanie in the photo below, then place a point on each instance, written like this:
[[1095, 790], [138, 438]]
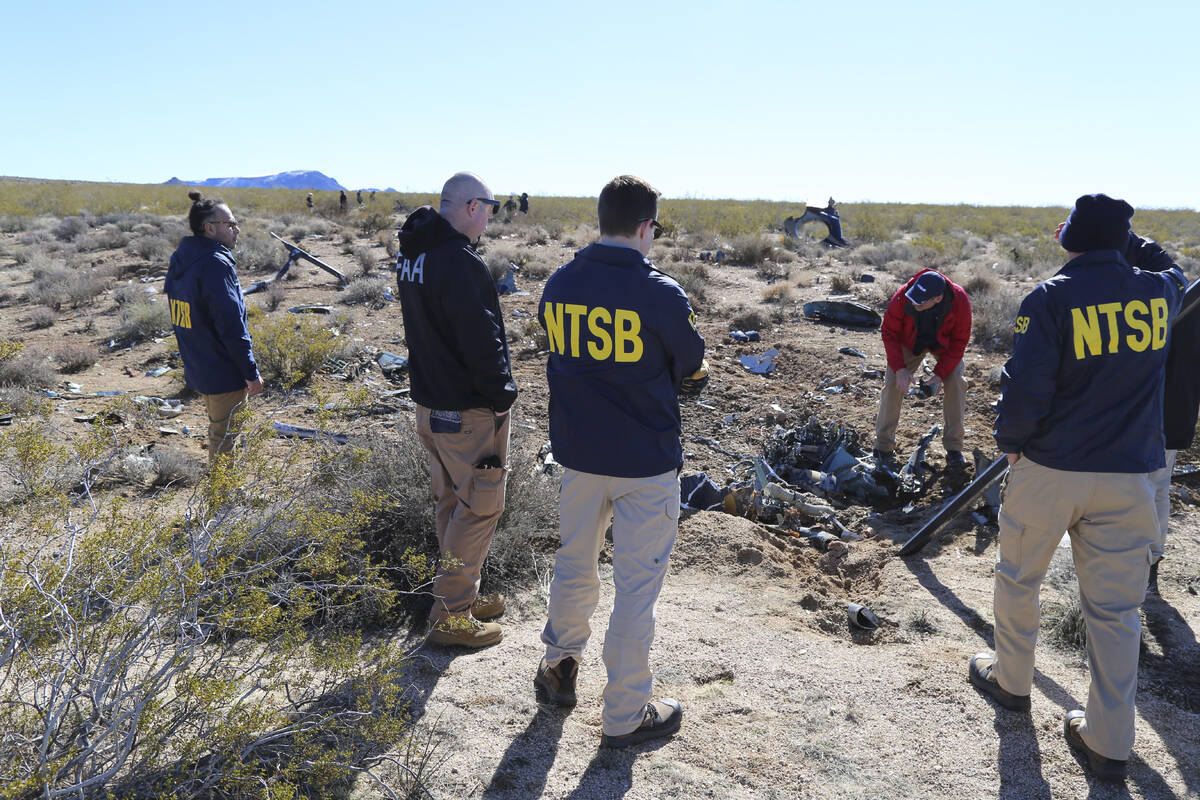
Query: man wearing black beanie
[[1080, 418]]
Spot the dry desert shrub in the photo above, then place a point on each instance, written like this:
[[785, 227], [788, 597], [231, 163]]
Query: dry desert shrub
[[777, 293], [68, 229], [771, 271], [840, 283], [879, 255], [141, 320], [86, 287], [749, 320], [992, 317], [109, 237], [752, 249], [41, 318], [366, 260], [256, 252], [693, 277], [174, 467], [366, 290], [24, 368], [289, 348], [72, 358], [22, 401], [274, 295], [154, 248]]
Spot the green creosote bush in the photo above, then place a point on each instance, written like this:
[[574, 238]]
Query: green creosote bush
[[143, 319], [371, 223], [290, 348], [213, 652]]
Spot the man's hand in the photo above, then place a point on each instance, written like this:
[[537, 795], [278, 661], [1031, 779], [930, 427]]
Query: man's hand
[[1058, 231], [694, 384], [1013, 458], [255, 386], [934, 384], [903, 380]]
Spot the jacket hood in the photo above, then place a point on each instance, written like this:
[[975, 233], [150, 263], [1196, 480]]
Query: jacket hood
[[423, 230], [193, 249]]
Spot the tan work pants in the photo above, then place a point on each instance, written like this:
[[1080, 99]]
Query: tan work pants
[[1112, 523], [468, 501], [1162, 504], [221, 408], [954, 406], [645, 521]]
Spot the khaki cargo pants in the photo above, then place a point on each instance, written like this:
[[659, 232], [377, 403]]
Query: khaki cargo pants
[[221, 409], [1112, 522], [645, 521], [468, 499], [954, 406], [1162, 503]]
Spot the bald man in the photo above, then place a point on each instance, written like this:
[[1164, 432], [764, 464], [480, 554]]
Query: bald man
[[463, 386]]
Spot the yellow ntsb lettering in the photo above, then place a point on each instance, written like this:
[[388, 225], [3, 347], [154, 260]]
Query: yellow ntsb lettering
[[1021, 325], [606, 333], [181, 313], [1133, 325]]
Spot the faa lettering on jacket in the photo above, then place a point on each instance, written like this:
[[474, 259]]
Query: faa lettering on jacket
[[411, 269], [598, 333], [1109, 328]]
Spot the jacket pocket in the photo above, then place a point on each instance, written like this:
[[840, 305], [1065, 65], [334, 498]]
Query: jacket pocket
[[487, 490]]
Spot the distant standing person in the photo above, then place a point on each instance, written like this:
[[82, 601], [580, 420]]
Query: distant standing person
[[524, 204], [360, 197], [208, 314], [510, 206], [308, 202], [462, 384], [1181, 406], [1080, 418], [342, 202], [929, 314], [623, 348]]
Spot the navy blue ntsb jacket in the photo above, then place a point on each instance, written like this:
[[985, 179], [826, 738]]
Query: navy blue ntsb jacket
[[208, 314], [457, 348], [1083, 390], [622, 339]]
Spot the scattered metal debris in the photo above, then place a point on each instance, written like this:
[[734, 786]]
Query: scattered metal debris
[[295, 252], [157, 371], [391, 363], [312, 308], [850, 351], [161, 407], [956, 505], [295, 432], [827, 216], [861, 617], [744, 336], [763, 364], [843, 312]]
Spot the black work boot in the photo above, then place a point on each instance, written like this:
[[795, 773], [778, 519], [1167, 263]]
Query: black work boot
[[659, 718], [982, 679], [1106, 769], [557, 684]]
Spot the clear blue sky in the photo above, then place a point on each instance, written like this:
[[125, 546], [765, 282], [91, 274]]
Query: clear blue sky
[[943, 102]]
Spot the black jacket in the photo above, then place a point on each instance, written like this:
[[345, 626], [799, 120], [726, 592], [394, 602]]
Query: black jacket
[[457, 348], [1181, 392]]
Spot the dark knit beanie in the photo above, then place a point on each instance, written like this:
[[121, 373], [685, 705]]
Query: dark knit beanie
[[1098, 222]]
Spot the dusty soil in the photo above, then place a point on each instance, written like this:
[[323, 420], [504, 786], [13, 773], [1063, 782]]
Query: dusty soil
[[782, 698]]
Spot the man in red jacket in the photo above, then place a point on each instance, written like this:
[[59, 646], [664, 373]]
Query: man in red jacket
[[929, 314]]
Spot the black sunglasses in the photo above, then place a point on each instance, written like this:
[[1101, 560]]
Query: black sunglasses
[[495, 204], [658, 228]]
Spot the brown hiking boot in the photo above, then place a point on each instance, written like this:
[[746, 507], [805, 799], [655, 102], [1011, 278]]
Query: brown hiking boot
[[982, 678], [1106, 769], [463, 630], [488, 606], [660, 718], [557, 684]]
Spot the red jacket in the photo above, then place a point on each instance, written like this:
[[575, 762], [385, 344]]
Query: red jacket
[[899, 329]]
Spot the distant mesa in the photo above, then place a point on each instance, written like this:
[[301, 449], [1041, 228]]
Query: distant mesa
[[296, 179]]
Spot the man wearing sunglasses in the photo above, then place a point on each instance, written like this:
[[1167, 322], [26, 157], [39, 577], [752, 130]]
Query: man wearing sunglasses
[[623, 349], [462, 384]]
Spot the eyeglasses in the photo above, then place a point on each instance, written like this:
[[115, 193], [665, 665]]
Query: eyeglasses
[[658, 228], [232, 223], [495, 204]]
